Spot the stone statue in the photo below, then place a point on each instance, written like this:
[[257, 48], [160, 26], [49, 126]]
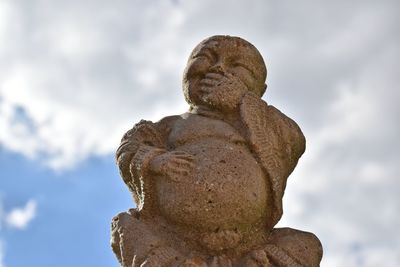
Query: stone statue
[[208, 184]]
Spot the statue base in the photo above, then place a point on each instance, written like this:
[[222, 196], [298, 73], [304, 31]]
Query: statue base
[[140, 242]]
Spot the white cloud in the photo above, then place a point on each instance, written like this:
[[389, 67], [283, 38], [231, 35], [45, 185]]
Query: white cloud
[[1, 214], [19, 218], [344, 186], [82, 86], [2, 253], [73, 80]]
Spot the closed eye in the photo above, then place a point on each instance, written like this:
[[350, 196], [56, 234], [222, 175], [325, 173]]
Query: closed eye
[[207, 53], [240, 64], [203, 55]]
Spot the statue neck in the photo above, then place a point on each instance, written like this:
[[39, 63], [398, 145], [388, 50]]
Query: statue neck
[[232, 118]]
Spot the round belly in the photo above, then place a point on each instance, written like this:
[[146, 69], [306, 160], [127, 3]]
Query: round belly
[[226, 189]]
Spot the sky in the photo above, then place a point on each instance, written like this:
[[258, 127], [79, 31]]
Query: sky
[[75, 75]]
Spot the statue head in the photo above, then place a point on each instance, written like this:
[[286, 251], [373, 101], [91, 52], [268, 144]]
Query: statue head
[[225, 55]]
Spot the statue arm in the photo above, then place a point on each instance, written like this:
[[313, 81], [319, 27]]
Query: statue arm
[[138, 147], [276, 141]]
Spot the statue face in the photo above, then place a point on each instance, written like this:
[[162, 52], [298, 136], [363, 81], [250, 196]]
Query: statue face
[[229, 57]]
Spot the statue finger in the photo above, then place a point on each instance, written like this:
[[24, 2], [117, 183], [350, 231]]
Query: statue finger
[[206, 90], [179, 152], [179, 163], [209, 82], [214, 76], [184, 157]]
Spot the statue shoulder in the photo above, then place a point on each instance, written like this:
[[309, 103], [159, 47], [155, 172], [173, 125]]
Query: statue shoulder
[[146, 129], [167, 122]]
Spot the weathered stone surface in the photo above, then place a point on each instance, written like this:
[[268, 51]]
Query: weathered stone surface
[[209, 183]]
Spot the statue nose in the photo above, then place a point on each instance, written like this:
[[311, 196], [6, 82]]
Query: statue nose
[[217, 68]]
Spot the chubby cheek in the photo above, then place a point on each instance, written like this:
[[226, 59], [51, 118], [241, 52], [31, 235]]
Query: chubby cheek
[[194, 72], [196, 68], [245, 77]]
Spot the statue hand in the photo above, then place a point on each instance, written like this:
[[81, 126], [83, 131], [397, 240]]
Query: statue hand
[[175, 164], [222, 90]]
